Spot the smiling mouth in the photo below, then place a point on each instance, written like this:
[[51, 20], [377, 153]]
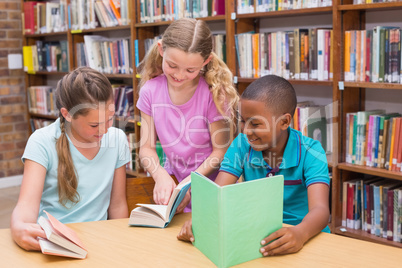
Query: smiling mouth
[[252, 140], [177, 80]]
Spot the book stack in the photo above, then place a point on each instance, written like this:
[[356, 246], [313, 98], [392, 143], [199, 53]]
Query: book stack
[[246, 6], [373, 55], [89, 14], [315, 121], [108, 55], [46, 56], [155, 11], [42, 100], [124, 105], [304, 54], [374, 205], [374, 139], [45, 17]]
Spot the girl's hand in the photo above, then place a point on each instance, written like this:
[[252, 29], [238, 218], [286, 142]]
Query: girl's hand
[[184, 202], [284, 241], [25, 235], [164, 187], [186, 232]]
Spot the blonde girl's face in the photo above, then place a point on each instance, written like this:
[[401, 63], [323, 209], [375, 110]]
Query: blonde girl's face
[[179, 67], [90, 128]]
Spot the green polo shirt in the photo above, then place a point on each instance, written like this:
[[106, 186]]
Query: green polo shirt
[[304, 163]]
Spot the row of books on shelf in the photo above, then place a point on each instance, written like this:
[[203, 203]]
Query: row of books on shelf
[[167, 10], [315, 121], [123, 100], [39, 123], [374, 205], [300, 54], [89, 14], [46, 56], [374, 139], [44, 17], [247, 6], [359, 2], [48, 17], [106, 55], [42, 100], [373, 55]]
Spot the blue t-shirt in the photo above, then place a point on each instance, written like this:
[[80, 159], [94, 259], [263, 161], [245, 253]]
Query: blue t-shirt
[[95, 177], [304, 163]]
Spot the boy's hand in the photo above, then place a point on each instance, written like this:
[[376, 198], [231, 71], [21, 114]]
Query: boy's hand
[[25, 235], [184, 202], [284, 241], [186, 232], [163, 190]]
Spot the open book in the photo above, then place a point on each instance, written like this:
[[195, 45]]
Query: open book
[[152, 215], [61, 240], [229, 222]]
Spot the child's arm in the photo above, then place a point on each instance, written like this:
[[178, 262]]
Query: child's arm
[[164, 184], [24, 228], [220, 137], [291, 239], [118, 203]]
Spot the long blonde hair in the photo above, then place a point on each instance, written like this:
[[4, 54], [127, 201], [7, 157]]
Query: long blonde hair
[[194, 36], [81, 86]]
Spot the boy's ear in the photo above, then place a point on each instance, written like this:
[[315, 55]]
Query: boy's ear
[[285, 121], [65, 114], [160, 48]]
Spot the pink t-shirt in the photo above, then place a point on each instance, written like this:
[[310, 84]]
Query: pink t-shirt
[[183, 130]]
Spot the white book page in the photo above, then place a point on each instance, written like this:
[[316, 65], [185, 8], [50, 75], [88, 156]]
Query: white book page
[[161, 210], [51, 248]]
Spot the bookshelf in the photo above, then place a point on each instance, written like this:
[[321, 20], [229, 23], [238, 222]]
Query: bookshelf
[[352, 98], [343, 16]]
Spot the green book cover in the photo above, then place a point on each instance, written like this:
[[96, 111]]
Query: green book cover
[[229, 222]]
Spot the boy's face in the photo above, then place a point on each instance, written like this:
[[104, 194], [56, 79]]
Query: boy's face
[[262, 127]]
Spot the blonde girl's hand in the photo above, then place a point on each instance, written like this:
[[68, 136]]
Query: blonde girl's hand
[[26, 235], [284, 241], [186, 232], [164, 187]]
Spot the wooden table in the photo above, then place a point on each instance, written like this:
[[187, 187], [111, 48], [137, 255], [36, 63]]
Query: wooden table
[[114, 244]]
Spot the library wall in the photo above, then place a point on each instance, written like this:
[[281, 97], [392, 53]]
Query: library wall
[[13, 122]]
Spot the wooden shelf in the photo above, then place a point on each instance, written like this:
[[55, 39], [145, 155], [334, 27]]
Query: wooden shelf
[[363, 235], [135, 173], [47, 73], [213, 18], [371, 171], [128, 120], [374, 85], [292, 81], [102, 29], [373, 6], [43, 116], [163, 23], [129, 76], [45, 34], [284, 13]]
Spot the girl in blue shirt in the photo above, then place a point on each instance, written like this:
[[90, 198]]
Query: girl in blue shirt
[[74, 168]]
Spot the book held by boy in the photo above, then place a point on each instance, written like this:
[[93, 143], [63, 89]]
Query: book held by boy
[[61, 240], [229, 222], [151, 215]]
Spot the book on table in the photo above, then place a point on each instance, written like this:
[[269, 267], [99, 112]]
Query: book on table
[[229, 222], [151, 215], [60, 239]]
